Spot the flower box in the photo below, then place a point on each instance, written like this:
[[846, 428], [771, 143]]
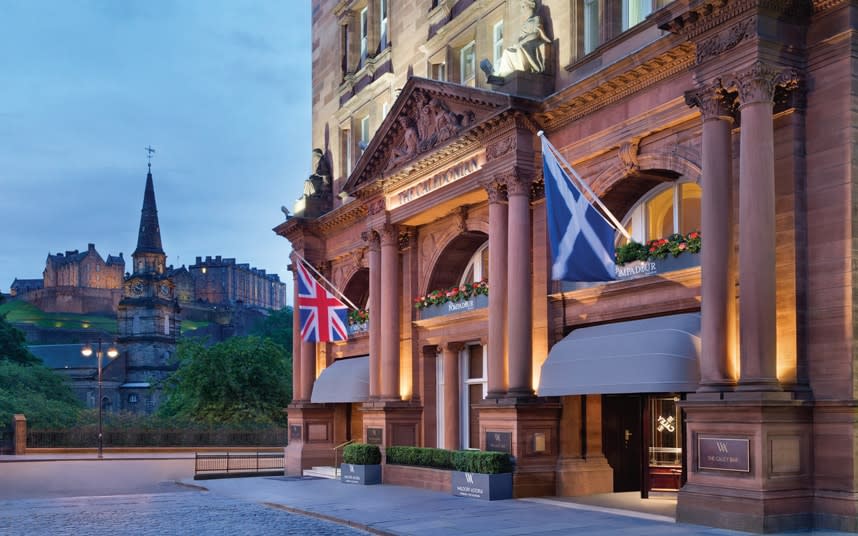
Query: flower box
[[478, 301], [351, 473], [638, 269], [489, 487], [357, 330]]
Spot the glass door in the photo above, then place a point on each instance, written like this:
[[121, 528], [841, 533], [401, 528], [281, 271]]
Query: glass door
[[665, 443]]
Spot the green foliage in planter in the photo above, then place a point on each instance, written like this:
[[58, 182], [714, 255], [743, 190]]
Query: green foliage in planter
[[660, 248], [475, 461], [362, 454], [420, 456]]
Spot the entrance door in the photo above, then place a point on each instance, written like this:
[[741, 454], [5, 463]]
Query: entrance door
[[621, 439]]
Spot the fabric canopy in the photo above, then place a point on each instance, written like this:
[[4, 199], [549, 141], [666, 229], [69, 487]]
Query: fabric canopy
[[652, 355], [346, 380]]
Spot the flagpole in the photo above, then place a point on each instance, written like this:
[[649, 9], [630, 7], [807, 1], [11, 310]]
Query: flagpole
[[610, 215], [325, 279]]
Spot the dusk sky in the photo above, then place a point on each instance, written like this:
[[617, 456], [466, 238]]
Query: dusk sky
[[220, 89]]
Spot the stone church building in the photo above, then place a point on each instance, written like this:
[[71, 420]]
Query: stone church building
[[726, 376]]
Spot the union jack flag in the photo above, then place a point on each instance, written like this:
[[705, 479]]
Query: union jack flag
[[323, 316]]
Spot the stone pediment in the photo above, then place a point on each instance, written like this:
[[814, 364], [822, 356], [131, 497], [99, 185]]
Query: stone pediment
[[427, 116]]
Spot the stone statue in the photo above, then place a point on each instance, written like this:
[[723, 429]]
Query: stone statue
[[528, 54], [319, 183], [407, 149]]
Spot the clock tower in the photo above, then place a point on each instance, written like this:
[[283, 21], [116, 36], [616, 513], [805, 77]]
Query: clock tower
[[148, 314]]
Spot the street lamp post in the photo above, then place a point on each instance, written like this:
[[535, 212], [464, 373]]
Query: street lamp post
[[87, 351]]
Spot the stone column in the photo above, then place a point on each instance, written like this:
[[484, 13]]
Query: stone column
[[297, 394], [519, 286], [451, 396], [497, 379], [374, 306], [390, 313], [718, 263], [308, 369], [758, 351]]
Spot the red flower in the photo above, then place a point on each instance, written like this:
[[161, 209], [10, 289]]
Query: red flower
[[682, 246], [694, 234]]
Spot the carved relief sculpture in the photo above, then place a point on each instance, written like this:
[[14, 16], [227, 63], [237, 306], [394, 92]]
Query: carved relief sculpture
[[430, 124]]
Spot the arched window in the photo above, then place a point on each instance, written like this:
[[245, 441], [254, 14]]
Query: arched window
[[477, 268], [667, 209]]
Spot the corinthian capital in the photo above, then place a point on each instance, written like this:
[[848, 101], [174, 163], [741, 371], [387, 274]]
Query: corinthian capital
[[372, 239], [389, 235], [713, 101], [495, 188], [758, 83], [518, 182]]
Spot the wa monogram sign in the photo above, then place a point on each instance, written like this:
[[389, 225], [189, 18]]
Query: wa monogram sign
[[724, 454]]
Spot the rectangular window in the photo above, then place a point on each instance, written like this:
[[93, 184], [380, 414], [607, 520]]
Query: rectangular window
[[364, 34], [439, 72], [472, 368], [635, 11], [364, 133], [497, 41], [591, 25], [346, 148], [167, 325], [344, 44], [382, 13], [468, 64]]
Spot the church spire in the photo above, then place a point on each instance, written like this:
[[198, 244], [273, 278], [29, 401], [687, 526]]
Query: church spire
[[149, 255]]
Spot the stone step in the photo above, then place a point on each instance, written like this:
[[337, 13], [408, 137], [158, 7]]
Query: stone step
[[323, 472]]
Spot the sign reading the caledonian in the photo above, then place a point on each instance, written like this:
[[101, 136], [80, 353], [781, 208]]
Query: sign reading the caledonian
[[723, 454], [415, 191]]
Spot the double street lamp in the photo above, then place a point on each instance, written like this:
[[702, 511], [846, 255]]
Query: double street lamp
[[112, 352]]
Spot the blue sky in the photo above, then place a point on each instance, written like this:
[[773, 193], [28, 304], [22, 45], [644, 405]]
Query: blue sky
[[220, 89]]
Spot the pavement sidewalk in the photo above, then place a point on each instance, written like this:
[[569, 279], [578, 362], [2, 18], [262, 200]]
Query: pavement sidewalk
[[398, 510]]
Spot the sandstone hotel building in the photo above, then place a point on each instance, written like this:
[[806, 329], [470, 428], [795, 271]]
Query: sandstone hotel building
[[728, 376]]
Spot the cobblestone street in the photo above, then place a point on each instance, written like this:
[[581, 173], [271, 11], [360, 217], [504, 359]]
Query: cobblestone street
[[155, 514]]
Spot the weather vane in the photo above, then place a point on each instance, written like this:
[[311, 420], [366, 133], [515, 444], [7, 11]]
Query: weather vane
[[150, 152]]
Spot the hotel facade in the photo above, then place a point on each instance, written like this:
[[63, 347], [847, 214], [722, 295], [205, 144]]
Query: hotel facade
[[726, 376]]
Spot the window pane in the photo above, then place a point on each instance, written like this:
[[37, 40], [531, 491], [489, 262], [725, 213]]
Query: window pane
[[591, 25], [475, 363], [666, 431], [660, 215], [468, 63], [497, 39], [689, 217], [484, 261]]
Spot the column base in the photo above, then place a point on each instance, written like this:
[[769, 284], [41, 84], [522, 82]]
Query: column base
[[532, 426], [767, 384], [311, 437], [397, 422], [579, 476], [750, 463]]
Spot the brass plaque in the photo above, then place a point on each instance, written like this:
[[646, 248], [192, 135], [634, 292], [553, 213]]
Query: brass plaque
[[499, 441], [374, 436], [724, 454]]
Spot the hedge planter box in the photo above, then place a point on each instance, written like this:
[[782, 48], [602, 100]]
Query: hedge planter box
[[449, 308], [351, 473], [482, 486]]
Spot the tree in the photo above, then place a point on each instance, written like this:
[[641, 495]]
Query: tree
[[242, 380], [29, 387], [277, 326]]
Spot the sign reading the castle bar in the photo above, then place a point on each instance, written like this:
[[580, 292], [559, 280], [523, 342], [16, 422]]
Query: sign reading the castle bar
[[373, 436], [724, 454], [499, 441], [414, 191]]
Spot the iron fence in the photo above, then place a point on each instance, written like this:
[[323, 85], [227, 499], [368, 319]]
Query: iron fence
[[7, 440], [86, 437], [213, 465]]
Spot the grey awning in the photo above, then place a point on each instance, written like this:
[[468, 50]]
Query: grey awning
[[346, 380], [652, 355]]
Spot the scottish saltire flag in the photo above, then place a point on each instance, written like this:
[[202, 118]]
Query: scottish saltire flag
[[323, 316], [582, 240]]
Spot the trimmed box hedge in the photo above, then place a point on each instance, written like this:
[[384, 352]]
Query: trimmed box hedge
[[362, 454], [469, 461]]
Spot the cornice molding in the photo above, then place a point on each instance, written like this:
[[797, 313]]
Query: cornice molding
[[707, 15], [573, 106], [824, 5], [342, 217]]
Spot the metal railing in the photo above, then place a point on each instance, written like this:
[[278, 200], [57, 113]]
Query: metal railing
[[87, 436], [337, 456], [214, 465]]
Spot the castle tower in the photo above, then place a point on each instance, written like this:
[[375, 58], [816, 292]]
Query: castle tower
[[148, 314]]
